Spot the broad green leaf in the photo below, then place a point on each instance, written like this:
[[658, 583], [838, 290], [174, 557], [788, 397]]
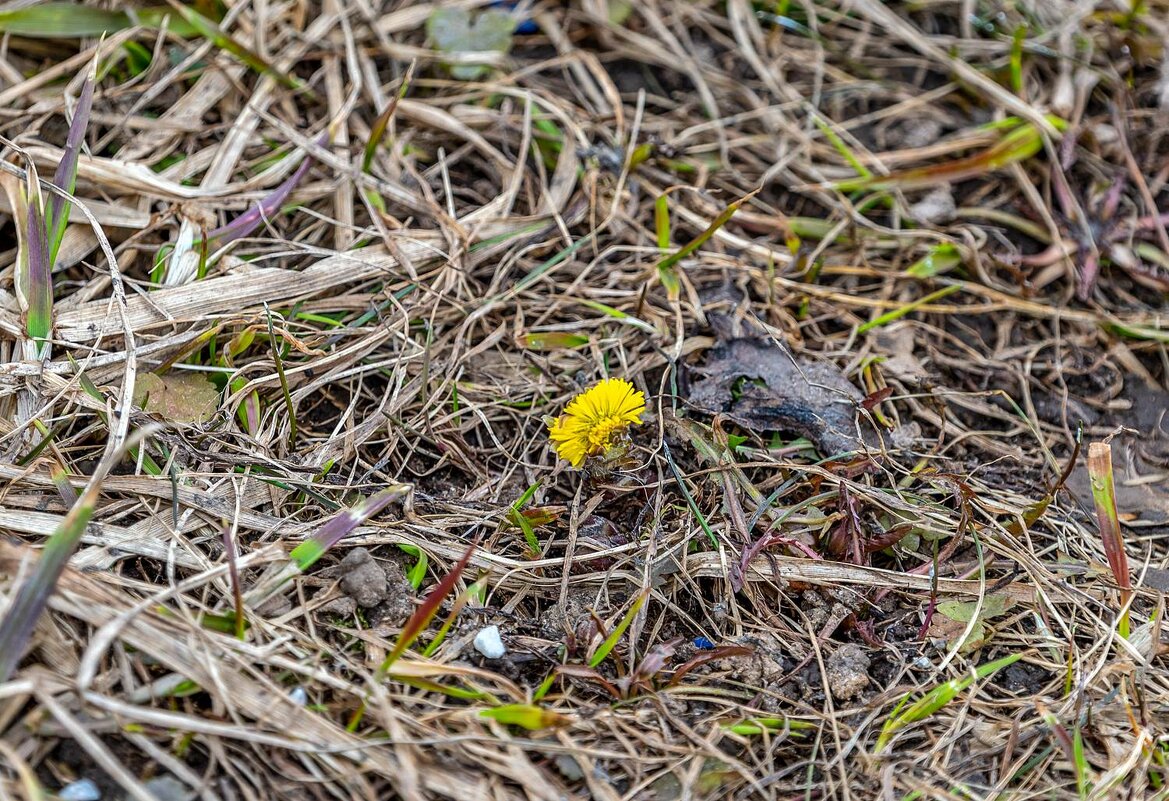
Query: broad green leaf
[[453, 31], [961, 612]]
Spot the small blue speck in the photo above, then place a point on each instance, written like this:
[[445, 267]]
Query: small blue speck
[[523, 26], [703, 643]]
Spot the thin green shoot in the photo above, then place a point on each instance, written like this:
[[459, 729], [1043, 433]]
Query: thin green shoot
[[772, 726], [681, 482], [666, 265], [288, 405], [906, 713], [1017, 41], [517, 518], [1104, 499], [425, 612], [378, 129], [939, 259], [546, 685], [417, 572], [253, 61], [526, 716], [472, 593], [611, 641], [839, 145], [898, 313], [662, 221], [618, 315]]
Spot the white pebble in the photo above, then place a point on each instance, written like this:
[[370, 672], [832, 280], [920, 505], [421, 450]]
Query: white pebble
[[489, 643], [80, 790]]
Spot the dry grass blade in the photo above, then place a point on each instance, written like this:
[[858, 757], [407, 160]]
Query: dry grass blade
[[877, 267]]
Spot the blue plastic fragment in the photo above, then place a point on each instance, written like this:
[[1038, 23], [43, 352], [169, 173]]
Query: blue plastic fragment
[[524, 26], [703, 643]]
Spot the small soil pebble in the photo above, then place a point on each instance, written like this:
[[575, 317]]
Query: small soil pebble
[[344, 606], [363, 579], [848, 672]]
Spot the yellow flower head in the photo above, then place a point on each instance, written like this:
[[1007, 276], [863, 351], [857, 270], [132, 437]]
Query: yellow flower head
[[594, 419]]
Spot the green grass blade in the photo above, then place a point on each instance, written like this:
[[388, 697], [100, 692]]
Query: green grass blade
[[901, 311], [416, 574], [279, 360], [940, 259], [74, 21], [39, 285], [1017, 145], [526, 716], [378, 130], [906, 713], [213, 33], [665, 266], [838, 144], [464, 598], [57, 215], [662, 221], [62, 21], [611, 641]]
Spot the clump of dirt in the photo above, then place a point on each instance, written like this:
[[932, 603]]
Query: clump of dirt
[[380, 587], [848, 672], [363, 579], [764, 669]]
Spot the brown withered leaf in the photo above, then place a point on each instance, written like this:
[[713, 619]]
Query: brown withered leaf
[[762, 387], [177, 397]]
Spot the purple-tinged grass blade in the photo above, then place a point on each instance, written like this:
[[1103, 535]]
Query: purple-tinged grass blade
[[250, 220], [39, 288], [229, 552], [722, 652], [57, 215], [309, 551], [426, 611], [1111, 536], [33, 595]]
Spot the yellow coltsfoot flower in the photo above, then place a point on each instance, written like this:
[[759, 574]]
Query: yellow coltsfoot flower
[[595, 420]]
